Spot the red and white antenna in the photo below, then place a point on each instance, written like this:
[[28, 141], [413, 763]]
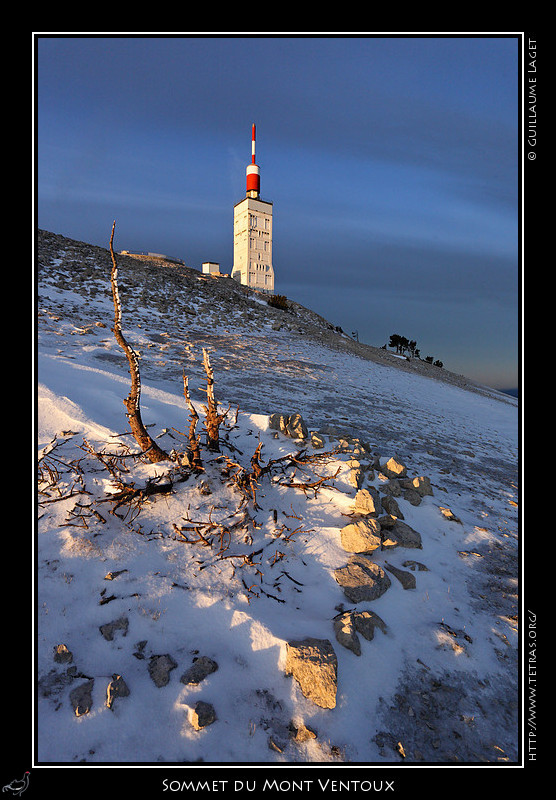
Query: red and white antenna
[[253, 173]]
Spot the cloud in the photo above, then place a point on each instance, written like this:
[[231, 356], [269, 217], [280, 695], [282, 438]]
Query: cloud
[[411, 269]]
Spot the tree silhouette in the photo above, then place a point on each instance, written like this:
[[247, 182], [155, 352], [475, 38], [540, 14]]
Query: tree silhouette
[[395, 341], [403, 344]]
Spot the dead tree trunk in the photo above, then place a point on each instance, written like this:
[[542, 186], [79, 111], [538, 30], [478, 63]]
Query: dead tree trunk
[[132, 401], [193, 448], [212, 417]]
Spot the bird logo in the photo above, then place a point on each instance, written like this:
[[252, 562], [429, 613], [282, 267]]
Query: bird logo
[[17, 787]]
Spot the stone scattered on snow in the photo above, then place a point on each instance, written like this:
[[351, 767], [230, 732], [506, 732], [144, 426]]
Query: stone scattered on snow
[[301, 732], [400, 534], [391, 487], [292, 425], [346, 635], [111, 576], [314, 665], [348, 624], [109, 629], [317, 441], [53, 683], [394, 469], [160, 667], [449, 515], [296, 427], [365, 623], [407, 579], [362, 579], [421, 485], [349, 444], [199, 670], [390, 505], [202, 714], [361, 536], [116, 688], [278, 422], [62, 655], [367, 501], [412, 497], [356, 475], [81, 698]]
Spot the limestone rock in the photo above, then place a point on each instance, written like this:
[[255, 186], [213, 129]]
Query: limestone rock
[[390, 505], [62, 655], [203, 714], [345, 632], [412, 497], [391, 487], [289, 424], [111, 576], [296, 427], [160, 668], [394, 468], [301, 732], [360, 448], [356, 476], [407, 579], [199, 670], [365, 623], [278, 422], [362, 579], [421, 485], [387, 522], [116, 688], [317, 441], [313, 664], [403, 535], [449, 514], [110, 628], [81, 698], [367, 501], [361, 536]]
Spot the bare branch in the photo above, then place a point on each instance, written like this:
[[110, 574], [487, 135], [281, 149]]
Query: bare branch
[[194, 449], [132, 401], [212, 418]]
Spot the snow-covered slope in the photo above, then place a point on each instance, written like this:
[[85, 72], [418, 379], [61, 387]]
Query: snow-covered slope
[[206, 569]]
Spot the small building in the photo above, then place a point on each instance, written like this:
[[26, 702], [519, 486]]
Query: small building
[[210, 268]]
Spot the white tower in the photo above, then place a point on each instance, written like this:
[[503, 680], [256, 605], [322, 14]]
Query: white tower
[[253, 233]]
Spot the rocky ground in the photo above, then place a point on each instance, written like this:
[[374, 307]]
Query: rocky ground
[[181, 297], [259, 353]]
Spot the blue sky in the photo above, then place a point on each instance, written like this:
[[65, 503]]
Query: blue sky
[[392, 164]]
